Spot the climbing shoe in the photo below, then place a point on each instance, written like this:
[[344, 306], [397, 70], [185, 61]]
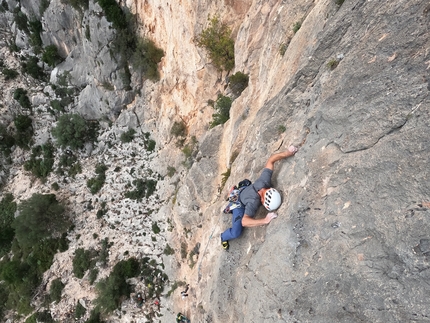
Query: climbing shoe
[[225, 245]]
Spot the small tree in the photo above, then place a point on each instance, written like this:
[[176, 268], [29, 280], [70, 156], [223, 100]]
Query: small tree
[[50, 55], [24, 131], [73, 131], [40, 217], [238, 82], [96, 183], [128, 136], [7, 214], [216, 39], [9, 74], [31, 67], [55, 291], [21, 96], [222, 106]]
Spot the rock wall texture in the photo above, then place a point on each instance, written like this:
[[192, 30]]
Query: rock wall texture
[[351, 240], [350, 87]]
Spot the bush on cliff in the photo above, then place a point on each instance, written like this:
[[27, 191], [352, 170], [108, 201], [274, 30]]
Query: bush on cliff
[[222, 114], [74, 131], [217, 41]]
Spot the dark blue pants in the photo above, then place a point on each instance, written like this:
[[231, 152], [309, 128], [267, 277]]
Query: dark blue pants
[[236, 228]]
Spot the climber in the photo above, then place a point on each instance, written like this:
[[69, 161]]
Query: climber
[[184, 292], [254, 195], [181, 318]]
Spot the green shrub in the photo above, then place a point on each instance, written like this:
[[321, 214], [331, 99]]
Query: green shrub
[[332, 64], [50, 55], [155, 228], [35, 31], [9, 74], [82, 261], [111, 290], [96, 183], [32, 68], [93, 275], [3, 299], [7, 215], [24, 134], [281, 129], [144, 188], [41, 167], [94, 317], [222, 114], [73, 131], [79, 311], [23, 122], [69, 163], [217, 41], [283, 48], [103, 257], [297, 26], [7, 140], [179, 129], [4, 6], [171, 171], [55, 186], [21, 96], [339, 2], [114, 13], [168, 250], [21, 20], [238, 82], [40, 217], [128, 136], [55, 290], [44, 4]]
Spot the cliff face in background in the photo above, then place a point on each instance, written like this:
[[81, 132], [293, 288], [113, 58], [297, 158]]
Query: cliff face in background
[[352, 239]]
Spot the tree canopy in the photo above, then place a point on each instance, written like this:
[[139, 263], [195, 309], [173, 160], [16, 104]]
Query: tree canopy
[[40, 217]]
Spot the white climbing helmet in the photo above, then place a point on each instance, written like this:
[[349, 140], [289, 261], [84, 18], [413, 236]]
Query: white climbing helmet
[[272, 199]]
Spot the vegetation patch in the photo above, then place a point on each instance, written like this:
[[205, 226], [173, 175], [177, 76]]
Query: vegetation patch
[[142, 53], [7, 142], [238, 82], [55, 290], [222, 108], [83, 260], [32, 68], [113, 289], [21, 96], [50, 55], [40, 219], [149, 143], [7, 214], [96, 183], [128, 135], [216, 40], [24, 131], [9, 74], [79, 311], [332, 64], [143, 188], [74, 131], [297, 26], [69, 164], [41, 161]]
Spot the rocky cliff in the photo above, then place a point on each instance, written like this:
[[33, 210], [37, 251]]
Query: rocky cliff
[[348, 82]]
